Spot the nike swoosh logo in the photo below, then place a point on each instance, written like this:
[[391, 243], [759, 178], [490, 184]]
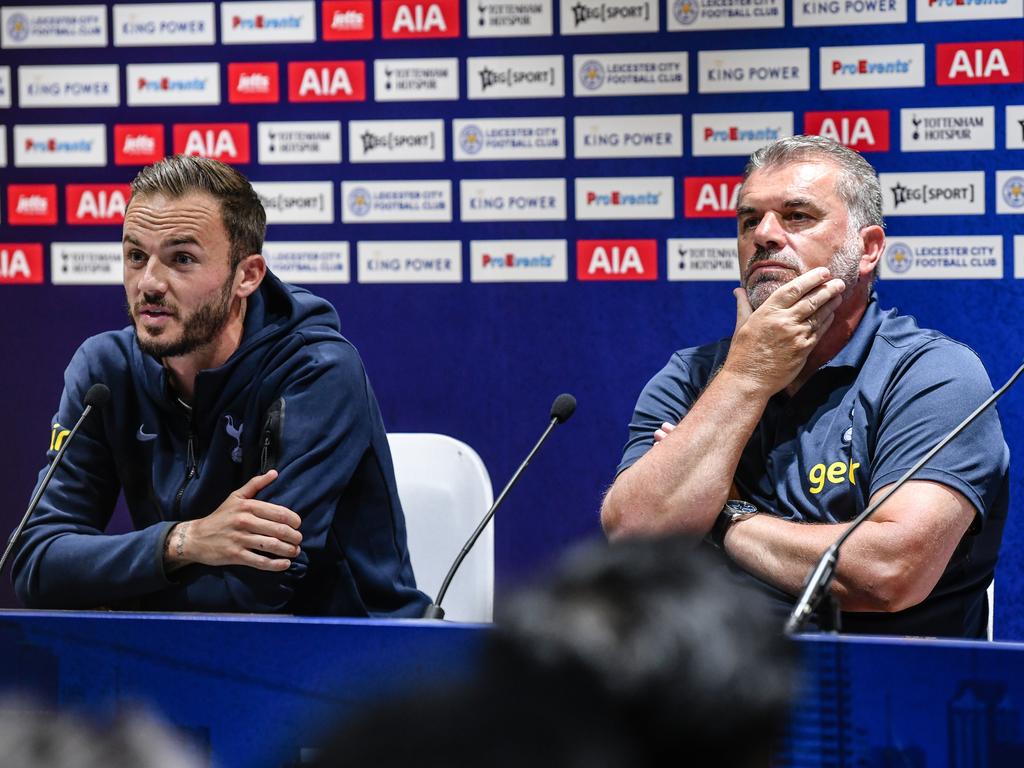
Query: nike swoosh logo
[[143, 436]]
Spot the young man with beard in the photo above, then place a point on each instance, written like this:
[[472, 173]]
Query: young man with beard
[[242, 431], [769, 442]]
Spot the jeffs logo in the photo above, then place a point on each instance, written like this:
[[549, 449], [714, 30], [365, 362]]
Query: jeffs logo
[[899, 258], [32, 204], [138, 144]]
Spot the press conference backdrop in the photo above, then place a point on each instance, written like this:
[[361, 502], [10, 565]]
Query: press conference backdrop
[[507, 199]]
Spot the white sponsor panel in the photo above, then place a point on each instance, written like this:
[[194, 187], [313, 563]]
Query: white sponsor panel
[[847, 67], [1018, 256], [933, 194], [632, 198], [388, 201], [86, 264], [313, 141], [608, 17], [149, 85], [297, 202], [630, 74], [284, 21], [395, 141], [5, 87], [3, 146], [309, 262], [145, 24], [699, 15], [702, 258], [515, 77], [738, 133], [968, 10], [509, 138], [829, 13], [416, 79], [745, 71], [60, 146], [1015, 126], [943, 258], [518, 261], [53, 26], [88, 85], [632, 136], [1009, 191], [512, 199], [501, 18], [423, 261], [944, 129]]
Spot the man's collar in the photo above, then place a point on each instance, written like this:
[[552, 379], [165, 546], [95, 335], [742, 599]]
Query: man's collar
[[855, 350]]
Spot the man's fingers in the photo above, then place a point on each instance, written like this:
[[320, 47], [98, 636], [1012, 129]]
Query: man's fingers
[[261, 563], [790, 293], [268, 546], [275, 513], [662, 432], [256, 484], [815, 300]]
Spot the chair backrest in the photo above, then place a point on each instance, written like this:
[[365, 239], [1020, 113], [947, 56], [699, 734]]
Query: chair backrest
[[445, 491]]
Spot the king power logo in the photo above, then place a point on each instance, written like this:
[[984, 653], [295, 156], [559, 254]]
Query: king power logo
[[864, 131], [227, 142], [405, 20], [605, 260], [979, 63]]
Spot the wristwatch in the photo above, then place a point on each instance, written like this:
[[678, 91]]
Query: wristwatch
[[734, 511]]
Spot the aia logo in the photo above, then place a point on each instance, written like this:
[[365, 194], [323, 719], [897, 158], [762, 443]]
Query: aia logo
[[32, 204], [253, 83], [326, 81], [706, 197], [227, 142], [864, 131], [616, 260], [977, 63], [141, 144], [404, 19], [347, 19], [21, 263], [96, 203]]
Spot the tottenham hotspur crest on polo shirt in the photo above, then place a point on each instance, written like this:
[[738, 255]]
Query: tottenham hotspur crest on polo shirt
[[236, 435]]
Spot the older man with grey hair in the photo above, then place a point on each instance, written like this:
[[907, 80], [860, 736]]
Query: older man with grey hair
[[767, 443]]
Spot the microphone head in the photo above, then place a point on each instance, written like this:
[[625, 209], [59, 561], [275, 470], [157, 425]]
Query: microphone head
[[97, 396], [563, 407]]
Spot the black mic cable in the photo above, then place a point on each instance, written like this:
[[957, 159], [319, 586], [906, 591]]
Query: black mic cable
[[563, 407], [820, 579], [97, 396]]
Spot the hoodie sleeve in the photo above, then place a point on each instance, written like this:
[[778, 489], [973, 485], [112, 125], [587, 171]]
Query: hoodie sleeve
[[63, 559]]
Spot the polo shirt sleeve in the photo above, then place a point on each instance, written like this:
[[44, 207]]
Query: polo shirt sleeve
[[934, 389], [666, 397]]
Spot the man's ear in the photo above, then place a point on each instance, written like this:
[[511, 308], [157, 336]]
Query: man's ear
[[873, 239], [250, 273]]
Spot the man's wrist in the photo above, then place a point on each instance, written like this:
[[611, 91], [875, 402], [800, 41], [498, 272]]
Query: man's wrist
[[734, 511], [175, 543]]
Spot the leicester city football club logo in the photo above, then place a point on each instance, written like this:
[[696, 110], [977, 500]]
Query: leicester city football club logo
[[17, 27], [359, 201], [686, 11], [471, 139], [899, 258], [1013, 192], [592, 75]]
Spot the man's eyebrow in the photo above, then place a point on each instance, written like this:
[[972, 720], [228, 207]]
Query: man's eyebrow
[[169, 243]]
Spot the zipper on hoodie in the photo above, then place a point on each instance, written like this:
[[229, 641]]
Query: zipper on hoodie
[[190, 468]]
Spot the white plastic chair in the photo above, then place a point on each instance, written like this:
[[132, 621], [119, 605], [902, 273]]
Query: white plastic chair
[[991, 593], [445, 492]]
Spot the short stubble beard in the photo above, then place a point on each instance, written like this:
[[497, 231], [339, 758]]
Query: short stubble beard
[[199, 329]]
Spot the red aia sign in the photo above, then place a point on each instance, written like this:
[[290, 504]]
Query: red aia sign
[[32, 204], [347, 20], [96, 203], [616, 260], [21, 263], [862, 130], [138, 144], [254, 83], [707, 197], [326, 81], [403, 19], [227, 142], [979, 63]]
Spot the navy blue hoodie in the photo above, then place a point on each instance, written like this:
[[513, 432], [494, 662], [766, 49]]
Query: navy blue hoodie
[[293, 396]]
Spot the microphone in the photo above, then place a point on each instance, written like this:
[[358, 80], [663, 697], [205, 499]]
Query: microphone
[[97, 397], [820, 579], [563, 407]]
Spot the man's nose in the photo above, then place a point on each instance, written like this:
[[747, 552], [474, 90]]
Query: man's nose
[[153, 280], [770, 234]]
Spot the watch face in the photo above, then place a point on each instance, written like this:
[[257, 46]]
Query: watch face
[[738, 507]]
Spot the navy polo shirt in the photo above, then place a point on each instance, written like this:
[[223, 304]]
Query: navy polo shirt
[[862, 420]]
